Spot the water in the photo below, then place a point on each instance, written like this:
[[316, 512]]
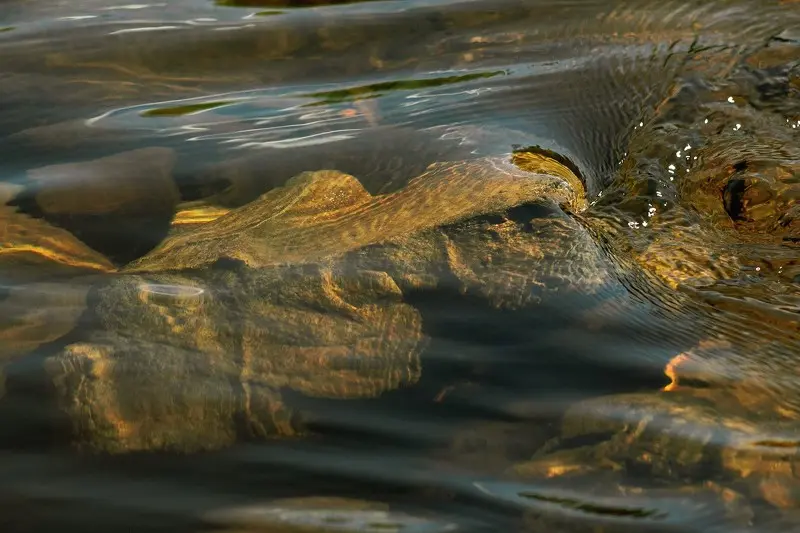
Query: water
[[583, 316]]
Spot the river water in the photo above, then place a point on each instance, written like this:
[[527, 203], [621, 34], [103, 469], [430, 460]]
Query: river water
[[625, 360]]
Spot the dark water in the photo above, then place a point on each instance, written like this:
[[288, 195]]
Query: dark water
[[630, 366]]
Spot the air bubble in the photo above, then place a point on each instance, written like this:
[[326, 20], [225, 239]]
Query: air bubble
[[177, 292]]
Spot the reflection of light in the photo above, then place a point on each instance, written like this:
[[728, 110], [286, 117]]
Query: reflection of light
[[171, 103], [669, 370], [288, 120], [79, 17], [132, 6], [183, 130], [231, 28], [177, 291], [471, 92], [317, 114], [236, 136], [308, 140], [312, 517], [148, 28]]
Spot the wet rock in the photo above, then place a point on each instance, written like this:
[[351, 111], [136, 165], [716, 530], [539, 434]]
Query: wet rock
[[679, 439], [125, 394], [26, 242], [185, 363], [40, 297], [705, 198], [327, 213], [297, 326], [120, 205], [35, 307], [35, 314], [190, 214], [757, 379], [304, 290], [760, 203], [489, 447], [510, 259]]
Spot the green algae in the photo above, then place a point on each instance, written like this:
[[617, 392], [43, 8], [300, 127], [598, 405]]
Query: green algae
[[286, 3], [376, 89], [183, 109]]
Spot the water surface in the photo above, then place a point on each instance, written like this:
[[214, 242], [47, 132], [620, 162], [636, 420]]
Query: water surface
[[411, 357]]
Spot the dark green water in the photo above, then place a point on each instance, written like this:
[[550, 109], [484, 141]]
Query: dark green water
[[514, 382]]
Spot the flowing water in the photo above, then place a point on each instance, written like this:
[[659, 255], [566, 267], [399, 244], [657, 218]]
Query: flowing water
[[559, 293]]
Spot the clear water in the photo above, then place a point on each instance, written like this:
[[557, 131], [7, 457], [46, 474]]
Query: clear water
[[211, 400]]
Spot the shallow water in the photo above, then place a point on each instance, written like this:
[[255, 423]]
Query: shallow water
[[607, 340]]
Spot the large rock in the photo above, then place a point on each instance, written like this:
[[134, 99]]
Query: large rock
[[125, 198]]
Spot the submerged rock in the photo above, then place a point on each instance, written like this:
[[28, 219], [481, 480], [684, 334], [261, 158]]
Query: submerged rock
[[194, 362], [325, 213], [29, 243], [41, 299], [304, 289], [672, 441], [125, 198], [34, 314]]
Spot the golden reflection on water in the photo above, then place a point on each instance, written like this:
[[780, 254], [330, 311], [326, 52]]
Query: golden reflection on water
[[200, 214], [29, 241]]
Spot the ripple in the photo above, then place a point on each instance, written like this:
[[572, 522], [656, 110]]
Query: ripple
[[376, 89], [603, 500], [286, 3], [144, 29], [329, 514], [630, 95], [595, 508]]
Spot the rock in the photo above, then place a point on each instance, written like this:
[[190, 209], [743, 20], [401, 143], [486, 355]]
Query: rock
[[186, 363], [319, 214], [125, 198]]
